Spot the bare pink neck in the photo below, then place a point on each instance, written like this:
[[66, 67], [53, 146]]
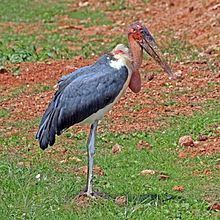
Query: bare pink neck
[[136, 53], [137, 56]]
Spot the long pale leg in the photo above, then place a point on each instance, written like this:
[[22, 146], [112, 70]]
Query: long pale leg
[[91, 152]]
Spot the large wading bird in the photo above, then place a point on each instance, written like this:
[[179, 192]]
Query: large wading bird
[[87, 94]]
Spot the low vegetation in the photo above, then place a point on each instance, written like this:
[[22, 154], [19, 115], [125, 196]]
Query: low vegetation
[[151, 176]]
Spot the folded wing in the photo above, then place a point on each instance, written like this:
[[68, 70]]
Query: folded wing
[[80, 94]]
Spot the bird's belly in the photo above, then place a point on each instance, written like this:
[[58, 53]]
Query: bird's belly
[[97, 115]]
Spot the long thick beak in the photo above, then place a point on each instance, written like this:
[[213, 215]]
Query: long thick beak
[[149, 45]]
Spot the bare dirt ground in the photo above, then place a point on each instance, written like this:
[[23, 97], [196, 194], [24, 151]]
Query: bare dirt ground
[[194, 21]]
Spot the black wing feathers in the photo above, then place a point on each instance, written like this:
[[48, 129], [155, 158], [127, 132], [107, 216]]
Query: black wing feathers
[[80, 94]]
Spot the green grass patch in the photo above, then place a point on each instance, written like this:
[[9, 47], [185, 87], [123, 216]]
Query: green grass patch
[[118, 5], [31, 11], [181, 50], [90, 17], [43, 39], [12, 93], [23, 48], [95, 45], [47, 41], [4, 113], [39, 88], [32, 185]]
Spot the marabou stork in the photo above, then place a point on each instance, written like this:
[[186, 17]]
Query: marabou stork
[[87, 94]]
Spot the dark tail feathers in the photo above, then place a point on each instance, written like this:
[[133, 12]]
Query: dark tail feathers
[[48, 127]]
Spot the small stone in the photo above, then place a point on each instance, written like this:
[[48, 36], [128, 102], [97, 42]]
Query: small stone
[[163, 177], [121, 200], [63, 161], [3, 70], [83, 4], [98, 171], [148, 172], [186, 141], [116, 149], [178, 188], [215, 206], [76, 159], [207, 172], [178, 75], [202, 137], [83, 170], [150, 76], [38, 176], [191, 9], [182, 155], [171, 4], [143, 145]]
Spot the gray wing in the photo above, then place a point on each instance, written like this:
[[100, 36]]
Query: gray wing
[[62, 83], [67, 79], [84, 95]]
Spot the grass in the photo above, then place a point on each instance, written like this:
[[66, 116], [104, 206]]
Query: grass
[[93, 47], [4, 113], [43, 185], [31, 11], [19, 48], [35, 35], [12, 93], [182, 49], [90, 17], [35, 185], [33, 31], [40, 88]]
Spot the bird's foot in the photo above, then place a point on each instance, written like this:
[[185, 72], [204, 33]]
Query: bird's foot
[[93, 195]]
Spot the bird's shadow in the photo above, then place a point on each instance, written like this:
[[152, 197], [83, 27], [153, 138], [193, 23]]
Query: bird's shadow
[[149, 199], [142, 199], [152, 199]]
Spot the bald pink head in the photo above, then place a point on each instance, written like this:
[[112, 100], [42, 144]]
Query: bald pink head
[[140, 38]]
